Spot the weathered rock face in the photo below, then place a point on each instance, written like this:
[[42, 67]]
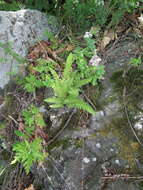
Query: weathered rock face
[[21, 29], [86, 149]]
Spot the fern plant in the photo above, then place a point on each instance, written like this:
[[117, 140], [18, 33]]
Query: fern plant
[[67, 88], [28, 153], [32, 82], [29, 149], [66, 82]]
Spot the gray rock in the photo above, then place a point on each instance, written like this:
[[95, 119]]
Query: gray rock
[[122, 185], [57, 117], [116, 58], [96, 121], [103, 148], [112, 108], [21, 29], [79, 133], [140, 105]]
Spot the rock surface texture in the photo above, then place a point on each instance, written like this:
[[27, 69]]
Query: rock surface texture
[[20, 30], [87, 149]]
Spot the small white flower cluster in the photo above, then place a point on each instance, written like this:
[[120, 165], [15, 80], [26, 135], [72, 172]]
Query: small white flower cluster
[[95, 60], [139, 124], [87, 35]]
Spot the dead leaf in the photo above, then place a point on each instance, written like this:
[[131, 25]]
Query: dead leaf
[[31, 187], [40, 133], [70, 47], [138, 31], [42, 50], [120, 29], [131, 17], [108, 36], [95, 30]]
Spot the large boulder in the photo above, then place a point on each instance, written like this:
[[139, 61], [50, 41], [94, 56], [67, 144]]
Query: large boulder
[[18, 31]]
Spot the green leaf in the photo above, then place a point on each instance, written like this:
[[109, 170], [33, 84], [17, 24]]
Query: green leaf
[[80, 104], [53, 100], [83, 82], [57, 106], [55, 75], [19, 133], [68, 66], [28, 153]]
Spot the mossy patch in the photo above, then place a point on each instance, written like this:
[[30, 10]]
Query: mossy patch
[[133, 81], [94, 93], [129, 149]]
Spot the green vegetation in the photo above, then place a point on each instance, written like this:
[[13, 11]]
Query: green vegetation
[[136, 61], [66, 82], [68, 78], [28, 153], [80, 13], [14, 6], [67, 88], [29, 149]]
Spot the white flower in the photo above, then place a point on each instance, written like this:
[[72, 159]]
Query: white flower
[[95, 60], [87, 35], [138, 126]]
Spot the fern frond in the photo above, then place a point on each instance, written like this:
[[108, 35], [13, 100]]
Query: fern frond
[[83, 82], [79, 103], [68, 66], [55, 100], [57, 106], [74, 92], [28, 153], [55, 75], [61, 88]]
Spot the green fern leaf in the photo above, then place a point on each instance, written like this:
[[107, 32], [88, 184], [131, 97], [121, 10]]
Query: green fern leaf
[[83, 82], [57, 102], [68, 66], [57, 106], [79, 103], [55, 75], [28, 153], [53, 100]]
